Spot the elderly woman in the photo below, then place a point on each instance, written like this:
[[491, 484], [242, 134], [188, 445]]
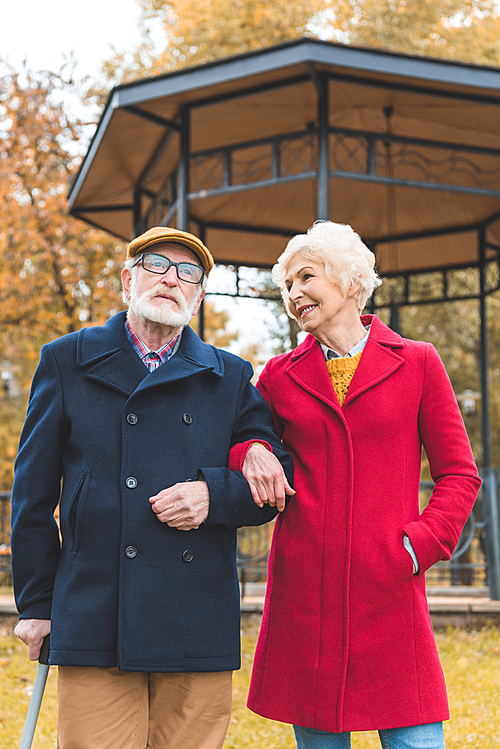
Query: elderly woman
[[346, 642]]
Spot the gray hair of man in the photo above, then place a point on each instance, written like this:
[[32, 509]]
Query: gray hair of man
[[134, 268], [346, 258]]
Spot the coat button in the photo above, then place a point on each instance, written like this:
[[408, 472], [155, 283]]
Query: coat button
[[131, 552], [131, 482], [187, 418], [132, 419], [187, 555]]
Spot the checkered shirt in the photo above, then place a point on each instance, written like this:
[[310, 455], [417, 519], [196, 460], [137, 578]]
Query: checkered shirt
[[152, 359]]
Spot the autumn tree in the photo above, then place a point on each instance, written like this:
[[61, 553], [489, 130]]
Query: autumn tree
[[179, 33], [56, 273], [455, 29]]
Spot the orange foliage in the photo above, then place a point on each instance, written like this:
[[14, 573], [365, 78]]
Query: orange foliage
[[178, 33], [56, 273]]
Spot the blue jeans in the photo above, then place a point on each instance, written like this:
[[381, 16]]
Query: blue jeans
[[429, 736]]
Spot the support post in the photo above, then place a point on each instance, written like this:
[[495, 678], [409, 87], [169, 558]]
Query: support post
[[201, 311], [323, 197], [485, 399], [491, 511], [137, 228], [183, 177], [490, 475], [201, 320], [394, 322]]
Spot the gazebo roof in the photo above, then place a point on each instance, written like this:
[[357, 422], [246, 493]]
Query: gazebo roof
[[413, 154]]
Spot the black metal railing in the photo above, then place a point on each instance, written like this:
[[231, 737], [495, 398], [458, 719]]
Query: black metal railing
[[473, 563]]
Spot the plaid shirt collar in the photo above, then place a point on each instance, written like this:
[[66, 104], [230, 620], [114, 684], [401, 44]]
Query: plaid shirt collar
[[152, 359]]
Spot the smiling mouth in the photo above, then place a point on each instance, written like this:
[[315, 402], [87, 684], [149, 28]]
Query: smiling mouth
[[305, 310]]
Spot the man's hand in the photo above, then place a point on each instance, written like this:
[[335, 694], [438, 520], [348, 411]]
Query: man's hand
[[266, 477], [183, 506], [32, 632]]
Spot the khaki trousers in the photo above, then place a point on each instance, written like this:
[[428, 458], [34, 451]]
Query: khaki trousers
[[103, 708]]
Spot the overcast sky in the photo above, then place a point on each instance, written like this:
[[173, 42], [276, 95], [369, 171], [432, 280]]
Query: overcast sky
[[40, 31]]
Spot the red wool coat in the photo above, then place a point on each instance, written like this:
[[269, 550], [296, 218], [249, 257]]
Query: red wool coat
[[346, 642]]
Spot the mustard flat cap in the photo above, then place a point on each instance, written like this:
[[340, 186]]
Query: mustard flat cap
[[159, 234]]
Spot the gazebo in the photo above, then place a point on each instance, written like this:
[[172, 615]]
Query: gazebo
[[249, 150]]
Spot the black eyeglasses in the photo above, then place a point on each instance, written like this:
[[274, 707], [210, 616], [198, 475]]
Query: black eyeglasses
[[188, 272]]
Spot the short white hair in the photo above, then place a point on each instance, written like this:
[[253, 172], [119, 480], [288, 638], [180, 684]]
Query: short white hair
[[346, 258]]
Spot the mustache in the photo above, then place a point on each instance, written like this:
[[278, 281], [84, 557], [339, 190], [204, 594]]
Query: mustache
[[161, 288]]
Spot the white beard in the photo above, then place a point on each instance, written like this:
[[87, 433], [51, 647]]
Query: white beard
[[177, 317]]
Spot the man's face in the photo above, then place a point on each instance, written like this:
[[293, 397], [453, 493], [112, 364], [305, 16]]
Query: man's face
[[163, 299]]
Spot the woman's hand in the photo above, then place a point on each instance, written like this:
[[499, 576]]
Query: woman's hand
[[266, 477]]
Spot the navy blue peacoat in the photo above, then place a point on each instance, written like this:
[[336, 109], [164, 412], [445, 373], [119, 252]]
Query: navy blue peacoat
[[102, 435]]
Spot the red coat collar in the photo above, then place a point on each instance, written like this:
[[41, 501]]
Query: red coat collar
[[378, 332], [378, 362]]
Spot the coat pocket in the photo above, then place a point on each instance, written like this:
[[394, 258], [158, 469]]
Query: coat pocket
[[403, 565], [76, 510]]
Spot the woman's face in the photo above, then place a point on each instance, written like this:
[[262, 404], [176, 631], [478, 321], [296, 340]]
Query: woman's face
[[313, 300]]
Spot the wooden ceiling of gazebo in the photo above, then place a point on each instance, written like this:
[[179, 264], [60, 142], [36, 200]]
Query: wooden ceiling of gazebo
[[251, 149]]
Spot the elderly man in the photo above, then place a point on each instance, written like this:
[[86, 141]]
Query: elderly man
[[139, 586]]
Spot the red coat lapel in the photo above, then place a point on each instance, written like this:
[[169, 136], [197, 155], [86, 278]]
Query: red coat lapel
[[379, 360], [307, 368]]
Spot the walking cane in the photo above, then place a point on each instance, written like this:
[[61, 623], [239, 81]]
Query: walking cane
[[36, 697]]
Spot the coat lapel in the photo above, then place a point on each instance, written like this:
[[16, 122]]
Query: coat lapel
[[193, 357], [379, 360], [110, 358], [307, 368]]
